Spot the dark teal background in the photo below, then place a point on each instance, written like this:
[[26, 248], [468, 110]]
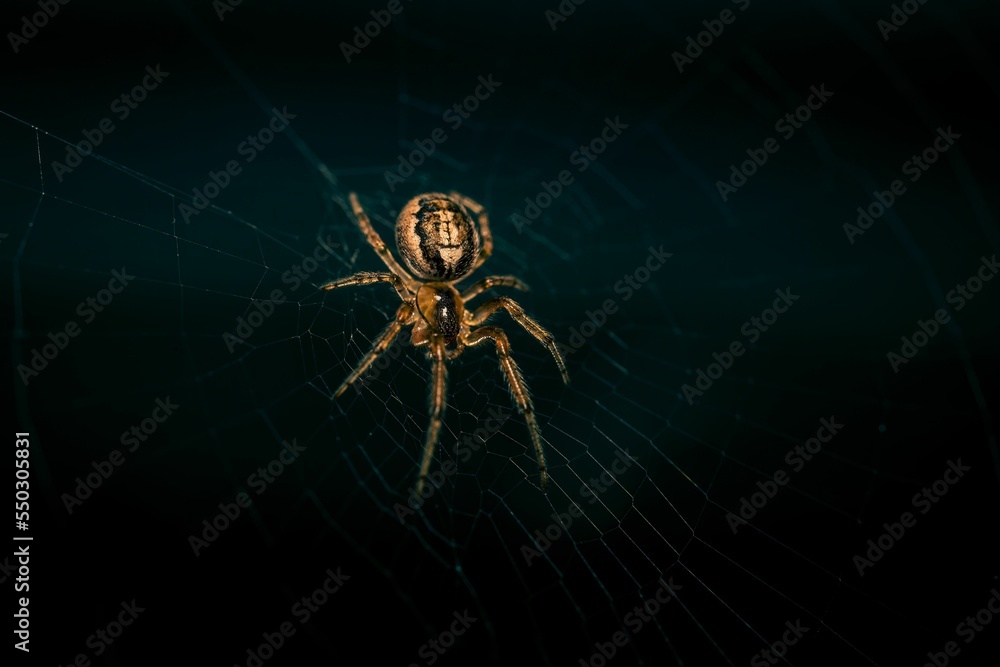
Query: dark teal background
[[655, 185]]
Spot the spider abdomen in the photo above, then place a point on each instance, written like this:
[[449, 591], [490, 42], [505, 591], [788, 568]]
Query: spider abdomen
[[441, 306], [436, 237]]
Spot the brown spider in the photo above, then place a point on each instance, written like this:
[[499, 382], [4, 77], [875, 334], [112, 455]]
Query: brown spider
[[440, 244]]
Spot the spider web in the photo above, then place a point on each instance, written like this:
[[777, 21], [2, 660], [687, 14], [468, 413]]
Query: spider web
[[689, 462]]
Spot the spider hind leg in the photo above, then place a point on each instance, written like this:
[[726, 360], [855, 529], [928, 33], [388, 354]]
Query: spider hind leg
[[486, 283], [376, 242], [369, 278], [486, 249]]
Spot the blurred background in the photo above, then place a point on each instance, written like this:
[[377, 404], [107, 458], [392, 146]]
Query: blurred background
[[694, 92]]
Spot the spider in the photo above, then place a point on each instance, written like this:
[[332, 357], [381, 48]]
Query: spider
[[440, 244]]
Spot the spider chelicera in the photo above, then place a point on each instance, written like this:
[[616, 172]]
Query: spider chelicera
[[440, 244]]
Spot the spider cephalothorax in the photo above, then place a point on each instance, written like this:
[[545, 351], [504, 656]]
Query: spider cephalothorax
[[440, 243]]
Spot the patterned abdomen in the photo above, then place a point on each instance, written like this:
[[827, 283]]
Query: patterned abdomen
[[437, 238]]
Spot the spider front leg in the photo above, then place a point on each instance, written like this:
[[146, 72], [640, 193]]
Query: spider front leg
[[382, 343], [370, 278], [439, 392], [517, 387], [485, 311]]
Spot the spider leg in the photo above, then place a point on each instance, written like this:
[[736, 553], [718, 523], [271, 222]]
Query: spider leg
[[375, 241], [458, 349], [381, 344], [484, 226], [485, 311], [493, 281], [439, 389], [370, 278], [518, 388]]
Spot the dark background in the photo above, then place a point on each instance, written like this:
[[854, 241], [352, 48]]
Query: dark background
[[655, 185]]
